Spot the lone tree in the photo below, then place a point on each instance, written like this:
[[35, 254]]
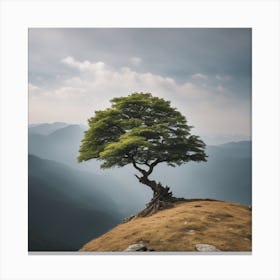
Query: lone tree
[[142, 130]]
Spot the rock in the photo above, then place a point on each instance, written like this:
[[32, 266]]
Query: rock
[[125, 220], [136, 248], [206, 248]]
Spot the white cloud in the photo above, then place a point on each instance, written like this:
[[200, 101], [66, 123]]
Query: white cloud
[[136, 61], [222, 78], [66, 92], [83, 66], [32, 88], [199, 76], [76, 99]]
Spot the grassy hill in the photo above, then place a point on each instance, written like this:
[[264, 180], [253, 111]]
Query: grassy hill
[[223, 224]]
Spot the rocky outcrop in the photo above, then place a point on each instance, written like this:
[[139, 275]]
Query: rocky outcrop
[[138, 247], [206, 248]]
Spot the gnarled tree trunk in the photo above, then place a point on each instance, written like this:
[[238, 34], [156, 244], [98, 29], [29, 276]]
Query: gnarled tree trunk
[[156, 187], [162, 197]]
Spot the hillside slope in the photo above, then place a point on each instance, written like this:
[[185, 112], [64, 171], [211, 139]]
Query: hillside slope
[[223, 224], [65, 208]]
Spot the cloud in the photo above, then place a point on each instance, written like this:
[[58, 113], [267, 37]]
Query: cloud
[[75, 99], [83, 66], [135, 61], [32, 88], [199, 76], [222, 77], [66, 92], [208, 51]]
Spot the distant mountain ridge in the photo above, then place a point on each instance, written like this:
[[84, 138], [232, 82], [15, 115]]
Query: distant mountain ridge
[[60, 144], [46, 128], [241, 149], [66, 131]]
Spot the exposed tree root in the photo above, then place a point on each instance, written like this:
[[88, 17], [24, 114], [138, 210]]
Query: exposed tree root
[[160, 201]]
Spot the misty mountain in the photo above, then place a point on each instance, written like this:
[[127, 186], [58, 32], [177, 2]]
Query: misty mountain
[[46, 128], [62, 146], [226, 175], [66, 207], [241, 149]]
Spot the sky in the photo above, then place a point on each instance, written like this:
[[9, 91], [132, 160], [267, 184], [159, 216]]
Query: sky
[[205, 73]]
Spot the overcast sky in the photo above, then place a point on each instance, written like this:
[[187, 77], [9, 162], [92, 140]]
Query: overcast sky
[[205, 73]]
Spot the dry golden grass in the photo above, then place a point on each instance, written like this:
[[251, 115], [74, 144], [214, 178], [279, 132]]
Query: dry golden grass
[[225, 225]]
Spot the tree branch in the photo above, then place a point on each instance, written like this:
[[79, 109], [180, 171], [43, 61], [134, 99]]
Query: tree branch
[[119, 128], [144, 172], [152, 165]]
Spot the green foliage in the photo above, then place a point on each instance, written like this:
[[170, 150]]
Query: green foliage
[[143, 130]]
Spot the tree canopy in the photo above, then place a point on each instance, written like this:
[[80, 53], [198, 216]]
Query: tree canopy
[[140, 129]]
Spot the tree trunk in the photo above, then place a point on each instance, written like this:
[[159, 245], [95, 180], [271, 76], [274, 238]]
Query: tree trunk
[[162, 198], [157, 188]]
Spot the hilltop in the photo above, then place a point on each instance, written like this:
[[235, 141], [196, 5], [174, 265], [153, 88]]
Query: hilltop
[[225, 225]]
